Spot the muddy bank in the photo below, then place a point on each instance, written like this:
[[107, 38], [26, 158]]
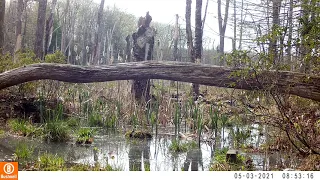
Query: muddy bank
[[13, 105]]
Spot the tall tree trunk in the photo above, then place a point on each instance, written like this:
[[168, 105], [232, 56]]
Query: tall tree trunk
[[241, 26], [198, 40], [49, 27], [64, 28], [39, 45], [2, 13], [234, 42], [289, 49], [307, 17], [18, 44], [128, 48], [222, 29], [85, 47], [205, 15], [273, 53], [175, 43], [97, 44], [189, 31], [25, 21], [175, 39], [191, 52]]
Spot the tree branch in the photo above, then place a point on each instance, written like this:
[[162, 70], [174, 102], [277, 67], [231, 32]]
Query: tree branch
[[299, 84]]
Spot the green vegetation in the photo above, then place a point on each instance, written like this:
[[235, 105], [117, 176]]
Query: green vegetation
[[87, 167], [23, 153], [57, 131], [179, 147], [73, 122], [85, 135], [50, 162], [56, 57], [2, 132], [240, 136], [220, 163], [52, 131], [24, 128]]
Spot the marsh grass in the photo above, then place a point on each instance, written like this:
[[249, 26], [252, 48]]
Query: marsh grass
[[240, 136], [177, 146], [50, 162], [213, 113], [85, 135], [25, 128], [23, 153], [57, 131], [220, 163], [53, 162]]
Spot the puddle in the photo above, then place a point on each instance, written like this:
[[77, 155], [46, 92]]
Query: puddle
[[136, 155]]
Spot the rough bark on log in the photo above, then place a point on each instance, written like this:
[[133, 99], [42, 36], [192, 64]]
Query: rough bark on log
[[299, 84], [143, 42]]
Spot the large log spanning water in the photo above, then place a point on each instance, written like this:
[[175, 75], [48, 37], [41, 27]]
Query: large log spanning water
[[299, 84]]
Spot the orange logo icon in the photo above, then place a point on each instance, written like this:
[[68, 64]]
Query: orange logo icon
[[8, 170]]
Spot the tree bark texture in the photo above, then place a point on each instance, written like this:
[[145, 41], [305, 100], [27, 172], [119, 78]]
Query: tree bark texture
[[222, 28], [143, 42], [198, 41], [39, 43], [275, 24], [189, 31], [2, 13], [18, 44], [64, 28], [49, 27], [294, 83], [98, 33]]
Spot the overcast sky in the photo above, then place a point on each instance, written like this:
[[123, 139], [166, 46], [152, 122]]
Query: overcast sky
[[164, 11]]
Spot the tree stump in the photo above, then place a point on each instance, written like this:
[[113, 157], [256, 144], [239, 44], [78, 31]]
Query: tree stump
[[143, 42], [231, 156]]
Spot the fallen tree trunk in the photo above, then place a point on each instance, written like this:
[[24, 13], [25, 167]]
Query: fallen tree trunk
[[283, 81]]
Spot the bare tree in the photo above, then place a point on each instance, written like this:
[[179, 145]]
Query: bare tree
[[64, 27], [189, 31], [49, 27], [176, 38], [198, 40], [222, 28], [275, 24], [39, 44], [190, 39], [97, 43], [289, 49], [241, 26], [234, 42], [19, 38], [2, 13]]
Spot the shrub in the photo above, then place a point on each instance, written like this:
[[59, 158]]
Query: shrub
[[56, 57], [57, 131]]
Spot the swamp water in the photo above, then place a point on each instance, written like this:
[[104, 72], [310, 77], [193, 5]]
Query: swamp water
[[123, 154]]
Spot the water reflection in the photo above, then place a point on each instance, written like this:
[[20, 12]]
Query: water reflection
[[112, 148], [139, 156], [193, 160]]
